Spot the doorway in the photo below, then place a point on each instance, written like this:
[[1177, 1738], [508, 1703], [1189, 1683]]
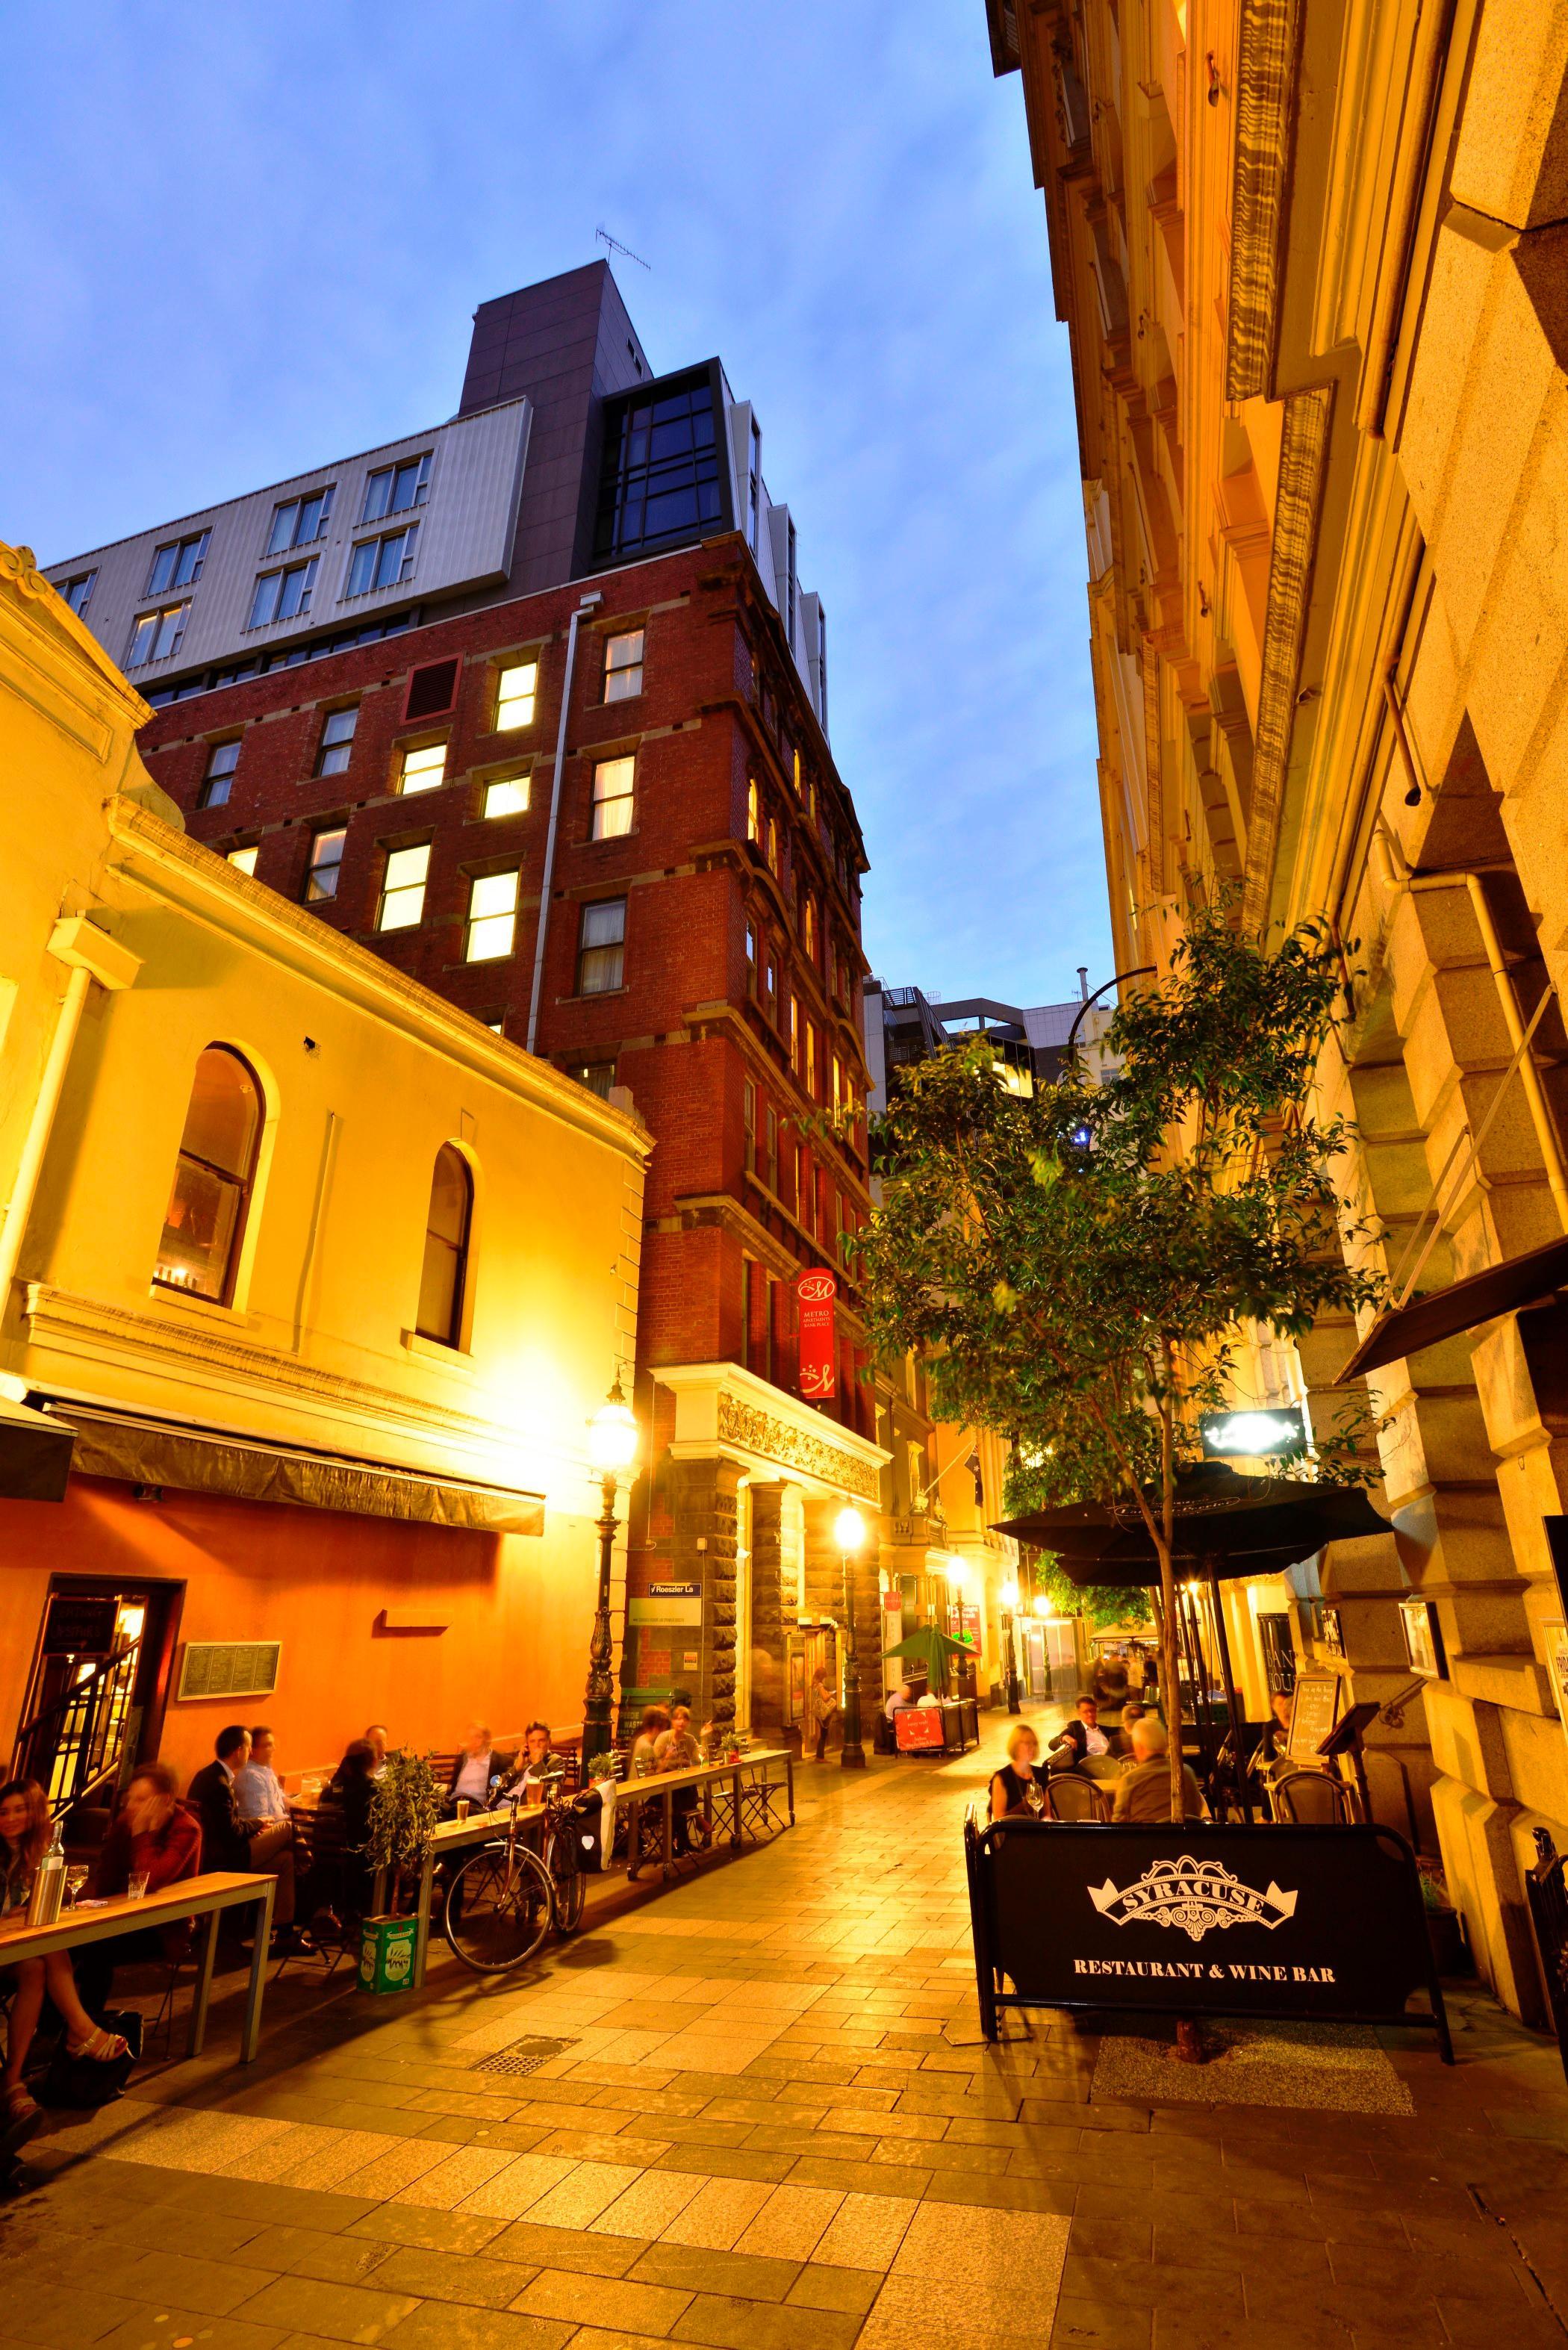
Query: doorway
[[98, 1688]]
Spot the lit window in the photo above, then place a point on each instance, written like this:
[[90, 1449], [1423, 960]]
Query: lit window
[[283, 595], [156, 636], [326, 865], [403, 888], [601, 947], [178, 565], [299, 521], [77, 591], [516, 689], [506, 796], [808, 928], [771, 988], [443, 1273], [220, 775], [205, 1220], [382, 562], [243, 860], [794, 1033], [612, 797], [811, 1060], [497, 1028], [752, 959], [423, 769], [491, 916], [597, 1076], [753, 813], [394, 489], [337, 741], [772, 850], [623, 666], [797, 759], [837, 1080]]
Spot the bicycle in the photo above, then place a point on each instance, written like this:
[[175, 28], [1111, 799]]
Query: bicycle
[[506, 1898]]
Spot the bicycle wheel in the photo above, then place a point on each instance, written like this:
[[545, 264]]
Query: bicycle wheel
[[498, 1908], [569, 1883]]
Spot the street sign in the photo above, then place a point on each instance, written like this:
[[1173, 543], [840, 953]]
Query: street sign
[[1282, 1923]]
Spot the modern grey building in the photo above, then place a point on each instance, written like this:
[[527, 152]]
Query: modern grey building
[[568, 457], [905, 1025]]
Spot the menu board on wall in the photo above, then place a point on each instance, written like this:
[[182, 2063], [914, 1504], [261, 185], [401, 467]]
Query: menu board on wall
[[1314, 1709], [229, 1668]]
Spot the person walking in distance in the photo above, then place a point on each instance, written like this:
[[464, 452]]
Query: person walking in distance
[[822, 1707]]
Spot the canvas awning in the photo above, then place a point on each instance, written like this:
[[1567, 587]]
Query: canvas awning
[[1463, 1306], [35, 1454], [142, 1451]]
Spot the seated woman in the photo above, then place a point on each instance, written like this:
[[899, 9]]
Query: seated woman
[[1015, 1788], [645, 1748], [24, 1841], [152, 1835], [340, 1883], [676, 1748]]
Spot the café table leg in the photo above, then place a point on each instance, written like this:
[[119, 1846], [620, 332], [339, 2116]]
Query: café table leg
[[789, 1783], [196, 2031], [634, 1839], [669, 1831], [422, 1914], [250, 2037], [735, 1812]]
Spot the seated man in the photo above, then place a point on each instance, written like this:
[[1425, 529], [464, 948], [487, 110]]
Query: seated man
[[230, 1843], [898, 1699], [259, 1798], [376, 1739], [1143, 1793], [479, 1773], [1080, 1738], [1274, 1742], [540, 1762]]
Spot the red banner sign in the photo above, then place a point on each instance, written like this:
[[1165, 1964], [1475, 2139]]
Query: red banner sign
[[814, 1293]]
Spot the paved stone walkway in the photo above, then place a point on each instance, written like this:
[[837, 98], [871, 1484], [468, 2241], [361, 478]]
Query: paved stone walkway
[[772, 2126]]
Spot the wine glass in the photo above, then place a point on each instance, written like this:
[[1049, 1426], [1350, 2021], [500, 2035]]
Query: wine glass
[[77, 1876]]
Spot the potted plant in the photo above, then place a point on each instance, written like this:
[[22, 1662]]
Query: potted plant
[[404, 1810]]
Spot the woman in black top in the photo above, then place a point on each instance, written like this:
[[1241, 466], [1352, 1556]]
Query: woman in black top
[[1016, 1783]]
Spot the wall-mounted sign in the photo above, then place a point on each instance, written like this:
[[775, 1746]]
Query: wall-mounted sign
[[229, 1668], [1556, 1636], [1314, 1709], [815, 1296], [1423, 1638], [917, 1729], [1253, 1435], [80, 1627], [667, 1603]]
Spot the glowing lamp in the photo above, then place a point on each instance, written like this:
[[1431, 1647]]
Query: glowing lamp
[[612, 1435], [850, 1530], [1009, 1596]]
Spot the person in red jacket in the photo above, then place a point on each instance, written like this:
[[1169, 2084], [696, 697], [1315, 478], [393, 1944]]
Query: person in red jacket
[[152, 1835]]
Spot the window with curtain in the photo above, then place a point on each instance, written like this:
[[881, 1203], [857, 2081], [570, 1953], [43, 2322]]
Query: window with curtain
[[205, 1220], [443, 1276]]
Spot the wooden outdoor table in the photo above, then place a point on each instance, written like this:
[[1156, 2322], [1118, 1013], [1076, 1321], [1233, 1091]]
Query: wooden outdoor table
[[195, 1896], [480, 1826], [664, 1785]]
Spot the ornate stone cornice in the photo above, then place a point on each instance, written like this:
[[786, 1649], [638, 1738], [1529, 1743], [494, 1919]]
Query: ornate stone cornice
[[756, 1430], [1265, 112], [1303, 456]]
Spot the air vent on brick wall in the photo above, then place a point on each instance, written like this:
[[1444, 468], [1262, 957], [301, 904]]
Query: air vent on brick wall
[[432, 690]]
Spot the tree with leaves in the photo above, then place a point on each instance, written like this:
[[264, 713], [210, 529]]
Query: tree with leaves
[[1080, 1267]]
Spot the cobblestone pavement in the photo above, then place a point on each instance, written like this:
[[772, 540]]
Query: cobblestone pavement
[[772, 2126]]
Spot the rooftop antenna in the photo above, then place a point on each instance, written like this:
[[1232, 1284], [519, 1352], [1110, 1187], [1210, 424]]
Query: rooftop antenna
[[613, 245]]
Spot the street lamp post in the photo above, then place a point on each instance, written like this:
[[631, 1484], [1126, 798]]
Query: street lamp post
[[1008, 1610], [850, 1531], [612, 1447]]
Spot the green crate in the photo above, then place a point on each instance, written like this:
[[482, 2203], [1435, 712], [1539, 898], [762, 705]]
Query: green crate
[[386, 1953]]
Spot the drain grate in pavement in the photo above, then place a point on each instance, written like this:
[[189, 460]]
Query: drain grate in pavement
[[524, 2056]]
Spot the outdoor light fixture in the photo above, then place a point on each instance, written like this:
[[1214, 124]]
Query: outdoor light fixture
[[1253, 1435], [849, 1533], [612, 1449], [1007, 1595]]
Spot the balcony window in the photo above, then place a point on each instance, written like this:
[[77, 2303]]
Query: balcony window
[[299, 521], [491, 916], [659, 476], [601, 947], [178, 563], [213, 1173], [597, 1076], [337, 741], [283, 595], [77, 590], [423, 769], [623, 666], [612, 797], [218, 781], [394, 489], [443, 1275], [402, 902], [382, 562], [516, 691], [506, 796], [157, 636], [326, 865]]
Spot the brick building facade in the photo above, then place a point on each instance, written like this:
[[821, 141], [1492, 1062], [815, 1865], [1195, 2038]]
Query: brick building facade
[[603, 818]]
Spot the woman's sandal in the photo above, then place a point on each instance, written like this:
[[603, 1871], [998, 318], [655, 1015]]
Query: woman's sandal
[[103, 2047]]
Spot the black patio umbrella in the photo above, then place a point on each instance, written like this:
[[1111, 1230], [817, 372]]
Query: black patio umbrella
[[1227, 1526]]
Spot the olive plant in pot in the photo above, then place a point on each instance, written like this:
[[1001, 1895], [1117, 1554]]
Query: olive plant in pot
[[404, 1810]]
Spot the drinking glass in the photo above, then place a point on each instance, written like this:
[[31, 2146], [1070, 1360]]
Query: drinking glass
[[462, 1809], [77, 1876], [136, 1884]]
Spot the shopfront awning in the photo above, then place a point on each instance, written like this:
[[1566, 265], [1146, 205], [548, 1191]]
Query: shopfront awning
[[35, 1454], [1463, 1306], [146, 1451]]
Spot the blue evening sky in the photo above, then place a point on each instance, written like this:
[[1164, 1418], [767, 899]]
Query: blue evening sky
[[240, 240]]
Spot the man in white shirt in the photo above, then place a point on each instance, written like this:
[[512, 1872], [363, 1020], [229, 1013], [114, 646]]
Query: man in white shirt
[[1082, 1737], [475, 1767], [259, 1798]]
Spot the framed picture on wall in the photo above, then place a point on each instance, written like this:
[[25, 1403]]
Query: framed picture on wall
[[1423, 1638]]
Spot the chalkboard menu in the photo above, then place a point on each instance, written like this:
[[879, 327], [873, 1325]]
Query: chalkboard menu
[[229, 1668], [1314, 1709]]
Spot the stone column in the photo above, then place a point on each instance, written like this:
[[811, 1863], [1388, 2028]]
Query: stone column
[[767, 1608], [702, 1510]]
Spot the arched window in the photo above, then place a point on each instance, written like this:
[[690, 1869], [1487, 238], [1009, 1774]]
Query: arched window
[[213, 1177], [443, 1277]]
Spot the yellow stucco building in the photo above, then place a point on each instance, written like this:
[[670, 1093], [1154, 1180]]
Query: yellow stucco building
[[312, 1281], [1312, 261]]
